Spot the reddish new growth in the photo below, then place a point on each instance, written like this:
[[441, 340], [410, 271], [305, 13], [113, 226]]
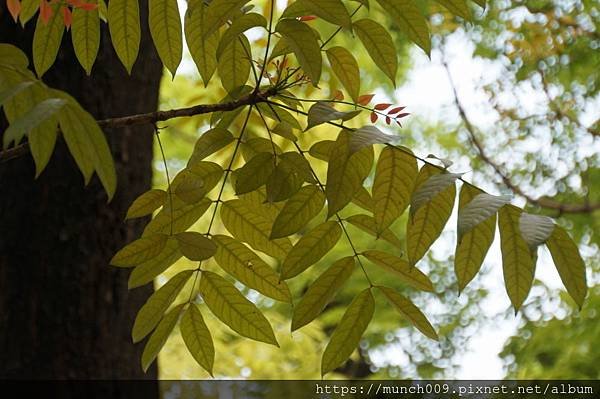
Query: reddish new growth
[[394, 114], [47, 9]]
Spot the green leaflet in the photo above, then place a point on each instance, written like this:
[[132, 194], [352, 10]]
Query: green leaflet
[[36, 116], [535, 229], [41, 143], [218, 12], [301, 39], [197, 338], [146, 203], [409, 274], [233, 309], [476, 228], [235, 64], [209, 143], [310, 249], [380, 46], [457, 7], [368, 225], [250, 225], [349, 331], [85, 34], [28, 10], [408, 309], [322, 112], [183, 218], [284, 130], [330, 10], [322, 291], [431, 187], [90, 150], [322, 149], [147, 271], [46, 41], [300, 209], [285, 180], [194, 182], [140, 250], [517, 260], [153, 310], [195, 246], [345, 67], [165, 28], [345, 173], [14, 89], [254, 173], [364, 200], [569, 264], [159, 337], [13, 56], [409, 19], [248, 268], [278, 114], [124, 27], [395, 177], [426, 223], [203, 49], [239, 26]]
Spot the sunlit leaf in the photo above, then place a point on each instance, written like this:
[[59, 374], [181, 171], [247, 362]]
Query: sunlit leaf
[[46, 41], [233, 309], [165, 28], [85, 34], [195, 181], [322, 112], [179, 219], [345, 67], [409, 19], [368, 225], [301, 39], [408, 309], [197, 338], [159, 337], [478, 209], [218, 12], [125, 32], [146, 203], [239, 26], [300, 209], [203, 49], [330, 10], [254, 173], [457, 7], [380, 46], [535, 229], [140, 250], [195, 246], [409, 274], [210, 142], [149, 270], [235, 63]]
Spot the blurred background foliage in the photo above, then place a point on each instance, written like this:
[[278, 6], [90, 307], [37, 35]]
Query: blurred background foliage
[[535, 114]]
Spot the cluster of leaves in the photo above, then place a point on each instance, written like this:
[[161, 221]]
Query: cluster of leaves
[[281, 216]]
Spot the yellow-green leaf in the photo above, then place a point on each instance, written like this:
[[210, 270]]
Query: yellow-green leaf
[[457, 7], [218, 12], [478, 207], [367, 224], [124, 27], [349, 331], [195, 181], [278, 114], [322, 291], [535, 229], [153, 310], [345, 173], [285, 180], [46, 41], [569, 264], [234, 65], [321, 149], [409, 19], [408, 309], [310, 249], [395, 177], [364, 200], [380, 46], [254, 173], [332, 11], [197, 338], [210, 142], [195, 246], [298, 211], [476, 227], [140, 250], [41, 143], [239, 26], [250, 225], [301, 39], [409, 274], [28, 10], [33, 118], [159, 337], [85, 34], [322, 112], [426, 223], [181, 219], [165, 28], [517, 260], [345, 67], [203, 49], [147, 271], [248, 268], [233, 309], [147, 203]]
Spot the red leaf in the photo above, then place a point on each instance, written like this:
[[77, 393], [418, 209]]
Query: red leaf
[[381, 107], [337, 95], [364, 99], [45, 11], [374, 117], [14, 8], [388, 120], [400, 116], [67, 16], [307, 18], [395, 110]]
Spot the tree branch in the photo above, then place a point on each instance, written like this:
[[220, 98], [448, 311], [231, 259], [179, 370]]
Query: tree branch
[[541, 202], [159, 116]]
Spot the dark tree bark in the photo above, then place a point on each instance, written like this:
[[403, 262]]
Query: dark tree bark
[[64, 312]]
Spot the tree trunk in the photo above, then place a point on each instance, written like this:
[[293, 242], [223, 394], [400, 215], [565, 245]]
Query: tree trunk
[[64, 312]]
